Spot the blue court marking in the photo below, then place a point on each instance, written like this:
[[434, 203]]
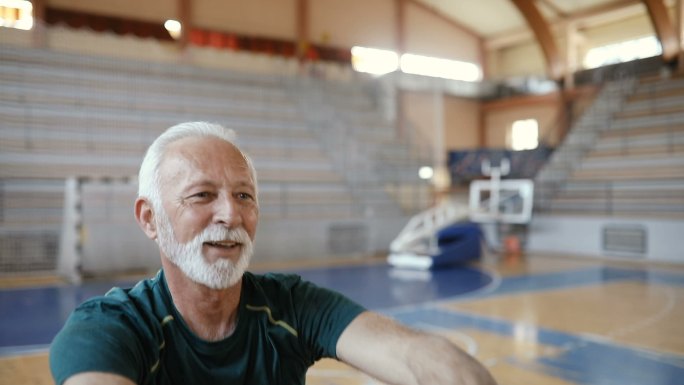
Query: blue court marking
[[582, 360], [602, 364], [664, 278], [31, 317], [381, 286]]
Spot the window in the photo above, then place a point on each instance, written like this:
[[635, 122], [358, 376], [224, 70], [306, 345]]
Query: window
[[524, 135], [441, 68], [380, 62], [16, 14], [622, 52], [374, 61]]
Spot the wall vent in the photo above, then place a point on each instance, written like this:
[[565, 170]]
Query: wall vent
[[625, 239]]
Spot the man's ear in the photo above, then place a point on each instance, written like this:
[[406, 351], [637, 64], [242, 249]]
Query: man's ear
[[144, 215]]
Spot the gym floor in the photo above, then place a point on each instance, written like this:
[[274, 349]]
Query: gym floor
[[532, 320]]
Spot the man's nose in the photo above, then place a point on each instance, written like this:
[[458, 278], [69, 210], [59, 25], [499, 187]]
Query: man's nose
[[228, 212]]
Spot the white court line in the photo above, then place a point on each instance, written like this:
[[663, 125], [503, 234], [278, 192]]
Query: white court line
[[648, 321]]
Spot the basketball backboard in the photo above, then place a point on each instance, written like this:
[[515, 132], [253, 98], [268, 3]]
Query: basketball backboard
[[507, 201]]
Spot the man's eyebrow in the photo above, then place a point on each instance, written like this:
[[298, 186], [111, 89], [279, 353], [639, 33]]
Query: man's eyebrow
[[197, 184], [207, 183]]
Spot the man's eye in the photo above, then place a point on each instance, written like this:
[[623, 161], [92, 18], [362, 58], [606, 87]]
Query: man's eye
[[244, 196], [202, 195]]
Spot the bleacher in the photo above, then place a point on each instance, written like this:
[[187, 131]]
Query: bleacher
[[76, 116], [66, 119], [624, 158]]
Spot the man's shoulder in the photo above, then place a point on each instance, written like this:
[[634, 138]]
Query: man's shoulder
[[285, 286], [135, 301], [118, 332]]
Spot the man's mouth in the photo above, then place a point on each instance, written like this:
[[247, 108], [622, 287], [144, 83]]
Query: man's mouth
[[224, 244]]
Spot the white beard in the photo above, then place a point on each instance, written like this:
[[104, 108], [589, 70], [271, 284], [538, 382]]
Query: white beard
[[220, 274]]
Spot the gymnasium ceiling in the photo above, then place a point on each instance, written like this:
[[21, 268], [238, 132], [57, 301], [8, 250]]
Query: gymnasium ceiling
[[501, 23], [497, 21]]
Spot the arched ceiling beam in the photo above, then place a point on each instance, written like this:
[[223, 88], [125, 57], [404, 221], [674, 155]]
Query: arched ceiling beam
[[542, 32], [664, 28], [602, 13], [554, 8]]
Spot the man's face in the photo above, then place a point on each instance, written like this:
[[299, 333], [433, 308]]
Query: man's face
[[210, 212]]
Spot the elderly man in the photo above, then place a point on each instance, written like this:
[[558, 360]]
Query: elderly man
[[204, 320]]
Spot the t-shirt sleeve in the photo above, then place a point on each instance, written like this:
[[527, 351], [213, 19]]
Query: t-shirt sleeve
[[322, 316], [97, 337]]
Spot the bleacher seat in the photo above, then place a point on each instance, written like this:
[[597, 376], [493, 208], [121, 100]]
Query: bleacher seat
[[625, 157]]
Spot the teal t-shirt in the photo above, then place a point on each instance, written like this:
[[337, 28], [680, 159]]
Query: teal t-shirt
[[284, 325]]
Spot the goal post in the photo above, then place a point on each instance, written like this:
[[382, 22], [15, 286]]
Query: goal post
[[99, 233]]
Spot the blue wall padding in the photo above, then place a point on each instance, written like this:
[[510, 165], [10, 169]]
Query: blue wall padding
[[458, 243]]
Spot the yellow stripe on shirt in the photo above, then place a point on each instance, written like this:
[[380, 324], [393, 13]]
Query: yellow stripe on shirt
[[280, 323], [164, 321]]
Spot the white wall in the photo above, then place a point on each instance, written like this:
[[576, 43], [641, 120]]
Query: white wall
[[431, 36], [583, 236], [272, 18], [353, 22]]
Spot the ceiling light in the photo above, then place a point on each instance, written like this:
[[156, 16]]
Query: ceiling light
[[426, 172], [174, 28]]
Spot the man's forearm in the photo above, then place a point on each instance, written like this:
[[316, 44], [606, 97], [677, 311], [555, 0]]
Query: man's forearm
[[434, 360], [398, 355], [98, 378]]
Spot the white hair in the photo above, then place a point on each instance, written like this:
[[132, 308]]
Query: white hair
[[148, 178]]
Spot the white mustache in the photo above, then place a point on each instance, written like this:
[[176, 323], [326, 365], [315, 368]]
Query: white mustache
[[218, 233]]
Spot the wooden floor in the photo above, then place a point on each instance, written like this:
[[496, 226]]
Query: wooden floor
[[540, 320]]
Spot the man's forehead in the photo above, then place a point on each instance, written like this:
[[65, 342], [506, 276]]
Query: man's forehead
[[209, 149], [197, 156], [195, 143]]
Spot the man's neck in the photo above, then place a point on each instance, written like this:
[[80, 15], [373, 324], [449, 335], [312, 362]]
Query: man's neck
[[210, 313]]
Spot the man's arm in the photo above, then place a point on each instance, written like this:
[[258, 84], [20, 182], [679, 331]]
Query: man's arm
[[98, 378], [398, 355]]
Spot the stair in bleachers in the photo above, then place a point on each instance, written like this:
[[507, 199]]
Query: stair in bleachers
[[656, 94], [381, 165], [632, 165], [651, 198]]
